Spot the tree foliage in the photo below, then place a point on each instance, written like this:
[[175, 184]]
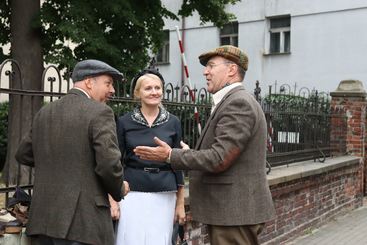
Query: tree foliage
[[120, 32], [208, 10], [4, 26]]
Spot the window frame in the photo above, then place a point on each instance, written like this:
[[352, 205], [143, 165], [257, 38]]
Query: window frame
[[162, 55], [233, 36], [282, 49]]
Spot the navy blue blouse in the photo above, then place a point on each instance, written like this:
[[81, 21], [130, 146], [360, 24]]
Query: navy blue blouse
[[133, 130]]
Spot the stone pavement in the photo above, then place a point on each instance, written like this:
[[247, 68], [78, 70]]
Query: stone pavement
[[350, 229]]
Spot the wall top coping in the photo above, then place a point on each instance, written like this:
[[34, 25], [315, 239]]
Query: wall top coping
[[308, 168], [300, 170], [349, 88]]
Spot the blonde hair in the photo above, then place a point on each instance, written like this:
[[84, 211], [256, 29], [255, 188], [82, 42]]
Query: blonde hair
[[141, 80]]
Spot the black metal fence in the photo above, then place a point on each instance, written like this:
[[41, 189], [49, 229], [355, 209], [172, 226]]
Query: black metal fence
[[298, 123], [176, 99]]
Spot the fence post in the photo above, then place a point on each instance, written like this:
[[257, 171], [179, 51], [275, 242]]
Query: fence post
[[350, 97]]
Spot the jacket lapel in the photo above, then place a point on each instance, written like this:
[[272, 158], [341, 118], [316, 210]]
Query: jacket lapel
[[197, 146]]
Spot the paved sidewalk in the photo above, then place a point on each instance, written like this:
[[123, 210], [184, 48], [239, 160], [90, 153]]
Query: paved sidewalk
[[350, 229]]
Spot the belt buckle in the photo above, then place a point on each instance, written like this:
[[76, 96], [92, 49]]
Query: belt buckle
[[152, 170]]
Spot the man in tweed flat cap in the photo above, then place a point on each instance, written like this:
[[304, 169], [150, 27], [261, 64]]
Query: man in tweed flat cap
[[73, 147], [228, 186]]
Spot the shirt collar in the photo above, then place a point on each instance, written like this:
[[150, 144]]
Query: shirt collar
[[218, 96]]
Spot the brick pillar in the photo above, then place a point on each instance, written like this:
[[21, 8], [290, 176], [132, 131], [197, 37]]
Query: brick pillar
[[349, 134]]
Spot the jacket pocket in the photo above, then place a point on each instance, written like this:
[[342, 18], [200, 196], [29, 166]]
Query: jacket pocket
[[224, 180], [101, 201]]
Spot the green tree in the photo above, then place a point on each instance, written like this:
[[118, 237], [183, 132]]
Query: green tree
[[120, 32], [18, 24], [4, 27]]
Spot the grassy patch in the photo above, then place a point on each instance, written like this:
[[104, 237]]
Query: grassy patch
[[308, 231]]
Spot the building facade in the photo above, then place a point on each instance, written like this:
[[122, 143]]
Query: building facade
[[304, 43]]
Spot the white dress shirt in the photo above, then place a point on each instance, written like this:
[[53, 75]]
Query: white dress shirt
[[218, 96]]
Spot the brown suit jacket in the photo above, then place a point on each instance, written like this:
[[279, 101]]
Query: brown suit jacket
[[228, 184], [73, 147]]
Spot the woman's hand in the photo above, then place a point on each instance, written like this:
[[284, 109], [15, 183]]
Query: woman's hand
[[180, 215]]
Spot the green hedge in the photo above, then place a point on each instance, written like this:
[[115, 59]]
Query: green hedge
[[4, 106]]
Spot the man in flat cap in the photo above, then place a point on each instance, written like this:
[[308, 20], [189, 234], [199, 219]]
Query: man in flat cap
[[228, 186], [73, 147]]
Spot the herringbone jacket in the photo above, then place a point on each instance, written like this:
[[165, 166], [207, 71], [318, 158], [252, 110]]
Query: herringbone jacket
[[73, 148], [228, 184]]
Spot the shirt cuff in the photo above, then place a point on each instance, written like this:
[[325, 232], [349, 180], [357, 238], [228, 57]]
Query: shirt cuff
[[168, 160]]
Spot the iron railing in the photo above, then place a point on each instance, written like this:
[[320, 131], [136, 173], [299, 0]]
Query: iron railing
[[176, 99], [298, 123]]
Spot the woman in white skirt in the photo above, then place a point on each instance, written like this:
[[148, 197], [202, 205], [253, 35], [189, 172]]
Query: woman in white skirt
[[156, 197]]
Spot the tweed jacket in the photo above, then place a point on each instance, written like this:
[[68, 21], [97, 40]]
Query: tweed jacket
[[228, 184], [73, 147]]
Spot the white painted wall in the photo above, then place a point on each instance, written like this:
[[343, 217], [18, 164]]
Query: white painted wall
[[328, 43]]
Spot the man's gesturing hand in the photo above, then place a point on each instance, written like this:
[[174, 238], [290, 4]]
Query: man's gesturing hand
[[159, 153]]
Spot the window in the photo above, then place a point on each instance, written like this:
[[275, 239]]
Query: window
[[280, 35], [229, 34], [163, 53]]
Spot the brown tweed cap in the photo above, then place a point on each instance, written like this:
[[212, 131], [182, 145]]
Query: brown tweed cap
[[229, 52]]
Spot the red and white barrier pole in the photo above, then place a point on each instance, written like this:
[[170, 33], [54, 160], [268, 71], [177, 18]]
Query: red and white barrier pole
[[196, 114]]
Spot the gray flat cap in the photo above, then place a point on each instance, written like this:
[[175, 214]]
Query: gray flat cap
[[92, 68]]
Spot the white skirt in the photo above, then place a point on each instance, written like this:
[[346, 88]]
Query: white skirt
[[146, 218]]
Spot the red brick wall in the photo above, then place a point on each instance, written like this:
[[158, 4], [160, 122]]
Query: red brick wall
[[301, 205], [354, 136], [196, 233], [306, 203]]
